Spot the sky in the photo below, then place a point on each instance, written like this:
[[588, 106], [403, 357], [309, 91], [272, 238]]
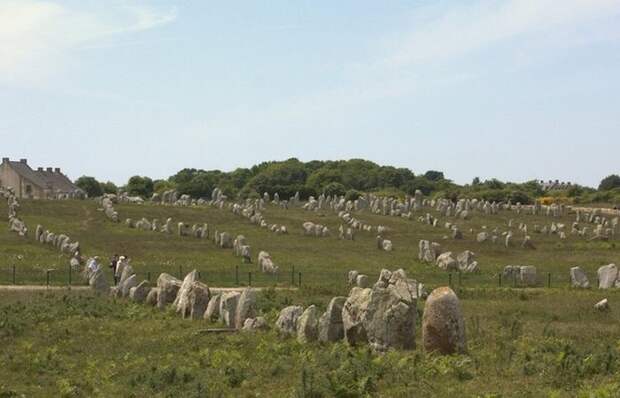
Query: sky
[[512, 89]]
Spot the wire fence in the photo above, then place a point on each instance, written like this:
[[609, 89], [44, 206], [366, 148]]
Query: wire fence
[[248, 275]]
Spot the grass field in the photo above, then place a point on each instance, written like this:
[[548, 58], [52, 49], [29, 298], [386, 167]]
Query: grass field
[[521, 342]]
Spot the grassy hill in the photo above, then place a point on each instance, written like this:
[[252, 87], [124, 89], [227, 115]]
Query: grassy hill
[[521, 342]]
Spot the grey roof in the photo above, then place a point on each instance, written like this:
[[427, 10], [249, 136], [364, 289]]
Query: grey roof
[[45, 179], [25, 171]]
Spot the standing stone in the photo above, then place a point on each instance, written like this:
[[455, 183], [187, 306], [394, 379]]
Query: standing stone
[[352, 315], [138, 293], [446, 262], [168, 288], [213, 308], [197, 300], [151, 297], [443, 328], [308, 325], [527, 275], [180, 301], [246, 308], [330, 323], [127, 284], [607, 276], [287, 320], [98, 282], [362, 281], [579, 278], [352, 277], [228, 308]]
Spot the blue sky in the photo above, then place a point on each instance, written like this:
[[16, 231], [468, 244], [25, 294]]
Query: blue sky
[[514, 89]]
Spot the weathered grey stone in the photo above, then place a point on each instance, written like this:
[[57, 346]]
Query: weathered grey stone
[[127, 284], [330, 323], [443, 328], [168, 288], [446, 262], [138, 293], [212, 312], [607, 276], [579, 278], [253, 324], [98, 282], [482, 237], [197, 299], [308, 325], [362, 281], [246, 308], [151, 297], [527, 275], [180, 301], [602, 305], [352, 277], [287, 320], [228, 308]]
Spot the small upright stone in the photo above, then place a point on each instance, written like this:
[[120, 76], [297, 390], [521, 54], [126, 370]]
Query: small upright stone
[[443, 328], [308, 325]]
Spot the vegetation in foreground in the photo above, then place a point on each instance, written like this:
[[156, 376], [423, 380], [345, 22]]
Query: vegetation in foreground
[[521, 343]]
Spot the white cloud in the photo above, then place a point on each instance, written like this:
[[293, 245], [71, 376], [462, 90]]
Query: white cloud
[[36, 36], [439, 33]]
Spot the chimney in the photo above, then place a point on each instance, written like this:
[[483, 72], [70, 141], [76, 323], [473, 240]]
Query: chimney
[[39, 168], [24, 161], [57, 170], [48, 169]]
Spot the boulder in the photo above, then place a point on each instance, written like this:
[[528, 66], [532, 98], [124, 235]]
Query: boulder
[[482, 237], [578, 278], [252, 324], [228, 308], [246, 308], [607, 276], [443, 328], [602, 305], [286, 323], [467, 261], [308, 325], [330, 323], [446, 262]]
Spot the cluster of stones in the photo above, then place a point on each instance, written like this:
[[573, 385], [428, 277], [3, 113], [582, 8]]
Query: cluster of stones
[[384, 244], [190, 298], [345, 233], [61, 242], [523, 275], [16, 224], [382, 317], [252, 211], [431, 252], [107, 203], [314, 229]]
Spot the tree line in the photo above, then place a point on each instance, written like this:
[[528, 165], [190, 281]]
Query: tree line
[[342, 177]]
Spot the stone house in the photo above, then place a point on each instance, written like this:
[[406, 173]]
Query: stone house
[[48, 183]]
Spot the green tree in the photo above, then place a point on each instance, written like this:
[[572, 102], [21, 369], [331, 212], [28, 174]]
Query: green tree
[[109, 187], [141, 186], [610, 182], [433, 175], [89, 185]]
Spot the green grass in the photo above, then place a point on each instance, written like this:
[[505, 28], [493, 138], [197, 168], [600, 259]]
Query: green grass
[[521, 342]]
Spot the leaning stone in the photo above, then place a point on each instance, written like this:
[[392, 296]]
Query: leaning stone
[[180, 302], [287, 320], [443, 328], [308, 325], [602, 305], [330, 323], [352, 315], [130, 282]]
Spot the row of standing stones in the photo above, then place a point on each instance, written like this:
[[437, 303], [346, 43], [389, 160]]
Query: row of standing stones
[[382, 316]]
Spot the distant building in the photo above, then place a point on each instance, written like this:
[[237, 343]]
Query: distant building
[[48, 183], [555, 185]]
